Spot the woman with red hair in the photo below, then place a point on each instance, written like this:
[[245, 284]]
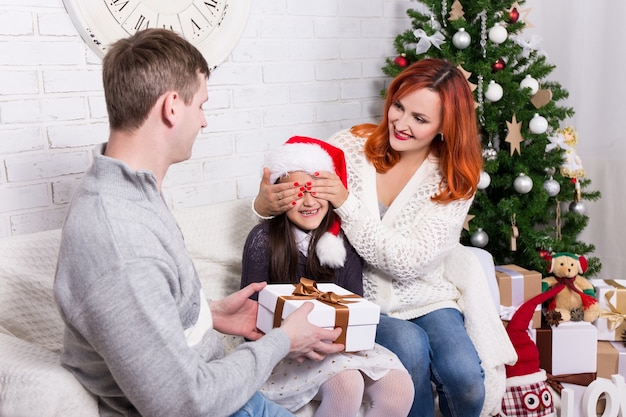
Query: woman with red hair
[[411, 181]]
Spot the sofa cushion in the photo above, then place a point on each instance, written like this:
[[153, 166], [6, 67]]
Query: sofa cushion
[[27, 307], [33, 383]]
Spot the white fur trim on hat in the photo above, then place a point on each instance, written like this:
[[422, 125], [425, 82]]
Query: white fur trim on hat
[[290, 157], [330, 250], [518, 381]]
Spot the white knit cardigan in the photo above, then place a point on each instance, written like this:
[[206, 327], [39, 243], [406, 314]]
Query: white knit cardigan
[[417, 243]]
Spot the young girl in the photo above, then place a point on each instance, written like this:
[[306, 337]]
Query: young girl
[[306, 241]]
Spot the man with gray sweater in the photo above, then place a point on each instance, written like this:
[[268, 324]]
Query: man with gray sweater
[[140, 333]]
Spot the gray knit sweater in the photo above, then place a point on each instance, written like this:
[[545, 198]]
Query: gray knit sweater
[[127, 290]]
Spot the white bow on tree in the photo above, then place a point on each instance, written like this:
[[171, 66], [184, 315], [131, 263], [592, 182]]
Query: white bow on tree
[[527, 46], [424, 41], [557, 141]]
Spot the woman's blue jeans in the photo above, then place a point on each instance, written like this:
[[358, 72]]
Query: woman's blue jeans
[[436, 347], [259, 406]]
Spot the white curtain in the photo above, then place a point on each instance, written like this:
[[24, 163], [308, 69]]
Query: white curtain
[[583, 38]]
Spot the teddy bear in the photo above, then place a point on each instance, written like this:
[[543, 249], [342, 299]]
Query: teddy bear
[[575, 300]]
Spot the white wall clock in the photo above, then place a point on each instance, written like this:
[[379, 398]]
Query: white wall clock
[[213, 26]]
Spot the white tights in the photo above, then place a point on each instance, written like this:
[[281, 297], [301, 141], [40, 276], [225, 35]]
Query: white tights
[[342, 395]]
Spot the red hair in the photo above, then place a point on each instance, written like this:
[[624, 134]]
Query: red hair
[[459, 154]]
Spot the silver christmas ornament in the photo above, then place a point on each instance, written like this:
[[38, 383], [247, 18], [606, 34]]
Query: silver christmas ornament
[[479, 238], [484, 180], [577, 207], [523, 184], [552, 187], [490, 153], [461, 39]]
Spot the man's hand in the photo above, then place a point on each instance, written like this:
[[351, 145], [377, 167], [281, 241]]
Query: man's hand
[[308, 340], [275, 199], [236, 314]]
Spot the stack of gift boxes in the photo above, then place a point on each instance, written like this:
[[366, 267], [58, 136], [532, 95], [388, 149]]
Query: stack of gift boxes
[[572, 353]]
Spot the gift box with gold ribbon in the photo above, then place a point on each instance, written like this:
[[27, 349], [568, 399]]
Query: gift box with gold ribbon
[[611, 295], [517, 285], [611, 359], [334, 306]]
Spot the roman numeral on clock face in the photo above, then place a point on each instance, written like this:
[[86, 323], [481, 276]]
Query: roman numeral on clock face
[[194, 20], [119, 4], [214, 26]]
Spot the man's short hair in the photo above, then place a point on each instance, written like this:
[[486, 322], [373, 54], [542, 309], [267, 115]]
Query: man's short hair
[[137, 70]]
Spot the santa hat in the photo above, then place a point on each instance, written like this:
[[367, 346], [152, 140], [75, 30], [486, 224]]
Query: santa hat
[[527, 392], [526, 369], [311, 155]]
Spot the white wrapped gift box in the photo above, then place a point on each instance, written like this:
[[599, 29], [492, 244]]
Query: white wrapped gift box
[[569, 348], [363, 315]]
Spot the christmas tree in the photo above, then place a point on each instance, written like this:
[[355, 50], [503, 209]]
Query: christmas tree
[[530, 198]]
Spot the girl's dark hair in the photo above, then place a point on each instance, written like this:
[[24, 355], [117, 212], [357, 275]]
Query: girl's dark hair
[[284, 252]]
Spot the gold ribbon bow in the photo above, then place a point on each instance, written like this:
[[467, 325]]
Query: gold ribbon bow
[[307, 289], [614, 318]]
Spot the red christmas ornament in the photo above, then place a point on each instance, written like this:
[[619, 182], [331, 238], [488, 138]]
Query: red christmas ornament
[[547, 258], [513, 15], [401, 61], [544, 254], [498, 65]]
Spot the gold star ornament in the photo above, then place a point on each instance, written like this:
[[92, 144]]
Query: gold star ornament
[[514, 137], [468, 218], [473, 87]]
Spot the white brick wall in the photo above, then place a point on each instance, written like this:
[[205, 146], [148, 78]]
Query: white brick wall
[[306, 68]]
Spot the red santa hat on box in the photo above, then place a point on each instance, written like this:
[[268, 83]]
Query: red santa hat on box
[[527, 393], [311, 155]]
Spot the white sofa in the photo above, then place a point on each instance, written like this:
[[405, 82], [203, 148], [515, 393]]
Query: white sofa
[[32, 382]]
